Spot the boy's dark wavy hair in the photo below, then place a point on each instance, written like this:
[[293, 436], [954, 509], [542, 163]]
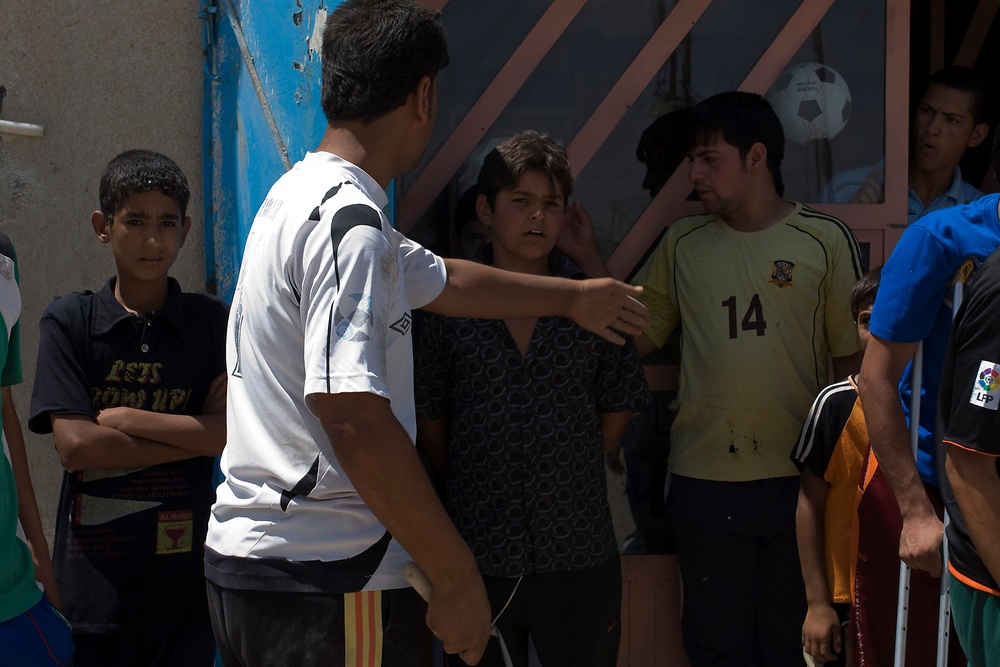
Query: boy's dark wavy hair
[[141, 171], [525, 151]]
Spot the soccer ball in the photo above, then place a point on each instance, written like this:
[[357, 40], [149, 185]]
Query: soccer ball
[[812, 101]]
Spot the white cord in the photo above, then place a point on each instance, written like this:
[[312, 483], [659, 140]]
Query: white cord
[[507, 604]]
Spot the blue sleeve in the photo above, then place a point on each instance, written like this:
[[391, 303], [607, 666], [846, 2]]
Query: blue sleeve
[[914, 284]]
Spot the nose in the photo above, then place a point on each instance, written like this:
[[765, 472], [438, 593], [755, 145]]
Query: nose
[[935, 124], [695, 175], [537, 213]]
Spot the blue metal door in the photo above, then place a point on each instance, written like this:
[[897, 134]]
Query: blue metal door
[[262, 113]]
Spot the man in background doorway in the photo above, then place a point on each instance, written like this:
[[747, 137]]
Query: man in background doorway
[[950, 118]]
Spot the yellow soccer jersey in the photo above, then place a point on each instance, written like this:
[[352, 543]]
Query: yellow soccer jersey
[[762, 313]]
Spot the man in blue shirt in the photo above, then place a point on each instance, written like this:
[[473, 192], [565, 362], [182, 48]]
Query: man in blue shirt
[[913, 306], [950, 118]]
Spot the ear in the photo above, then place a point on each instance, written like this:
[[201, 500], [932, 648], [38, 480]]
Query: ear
[[101, 225], [185, 228], [757, 157], [483, 210], [979, 133], [424, 97]]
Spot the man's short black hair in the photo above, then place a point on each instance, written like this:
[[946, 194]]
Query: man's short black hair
[[141, 171], [968, 81], [742, 120], [374, 54]]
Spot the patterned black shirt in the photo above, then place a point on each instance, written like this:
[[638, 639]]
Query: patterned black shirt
[[524, 479]]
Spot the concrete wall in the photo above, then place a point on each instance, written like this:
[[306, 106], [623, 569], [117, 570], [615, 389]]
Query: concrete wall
[[102, 76]]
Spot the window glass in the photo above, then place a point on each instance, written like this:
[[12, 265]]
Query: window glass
[[596, 49], [838, 74]]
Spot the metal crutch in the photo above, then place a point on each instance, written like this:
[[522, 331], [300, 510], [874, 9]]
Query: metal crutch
[[903, 599], [944, 598], [944, 601]]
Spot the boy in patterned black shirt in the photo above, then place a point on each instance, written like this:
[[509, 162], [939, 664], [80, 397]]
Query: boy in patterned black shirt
[[516, 414]]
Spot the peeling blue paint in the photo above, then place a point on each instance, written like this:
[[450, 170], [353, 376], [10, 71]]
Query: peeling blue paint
[[241, 157]]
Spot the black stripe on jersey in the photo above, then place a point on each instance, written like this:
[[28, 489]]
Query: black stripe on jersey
[[314, 576], [852, 240], [315, 216], [676, 246], [344, 220], [347, 219], [819, 302], [302, 487], [808, 436]]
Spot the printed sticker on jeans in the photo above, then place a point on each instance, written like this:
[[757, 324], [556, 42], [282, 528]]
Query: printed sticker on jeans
[[986, 389]]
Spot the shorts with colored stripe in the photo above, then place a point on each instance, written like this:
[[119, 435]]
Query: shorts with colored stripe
[[365, 629], [977, 618], [40, 637]]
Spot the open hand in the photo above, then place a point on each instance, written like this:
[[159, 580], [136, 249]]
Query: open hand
[[609, 308]]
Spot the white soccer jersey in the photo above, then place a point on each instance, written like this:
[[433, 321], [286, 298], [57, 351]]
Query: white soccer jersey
[[322, 305]]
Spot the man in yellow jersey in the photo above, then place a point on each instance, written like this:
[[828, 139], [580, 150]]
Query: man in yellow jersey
[[761, 286]]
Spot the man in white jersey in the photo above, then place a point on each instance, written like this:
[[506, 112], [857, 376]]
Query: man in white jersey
[[325, 496]]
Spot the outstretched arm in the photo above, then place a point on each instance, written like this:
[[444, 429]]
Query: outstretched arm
[[604, 306], [580, 245], [382, 464], [883, 366], [27, 505]]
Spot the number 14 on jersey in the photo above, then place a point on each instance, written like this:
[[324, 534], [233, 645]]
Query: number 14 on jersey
[[753, 318]]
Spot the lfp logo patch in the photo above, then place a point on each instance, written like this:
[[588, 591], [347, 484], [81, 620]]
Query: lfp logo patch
[[986, 389], [781, 273]]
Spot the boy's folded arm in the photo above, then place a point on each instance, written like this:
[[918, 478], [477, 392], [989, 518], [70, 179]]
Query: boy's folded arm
[[203, 435], [83, 444], [200, 435]]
